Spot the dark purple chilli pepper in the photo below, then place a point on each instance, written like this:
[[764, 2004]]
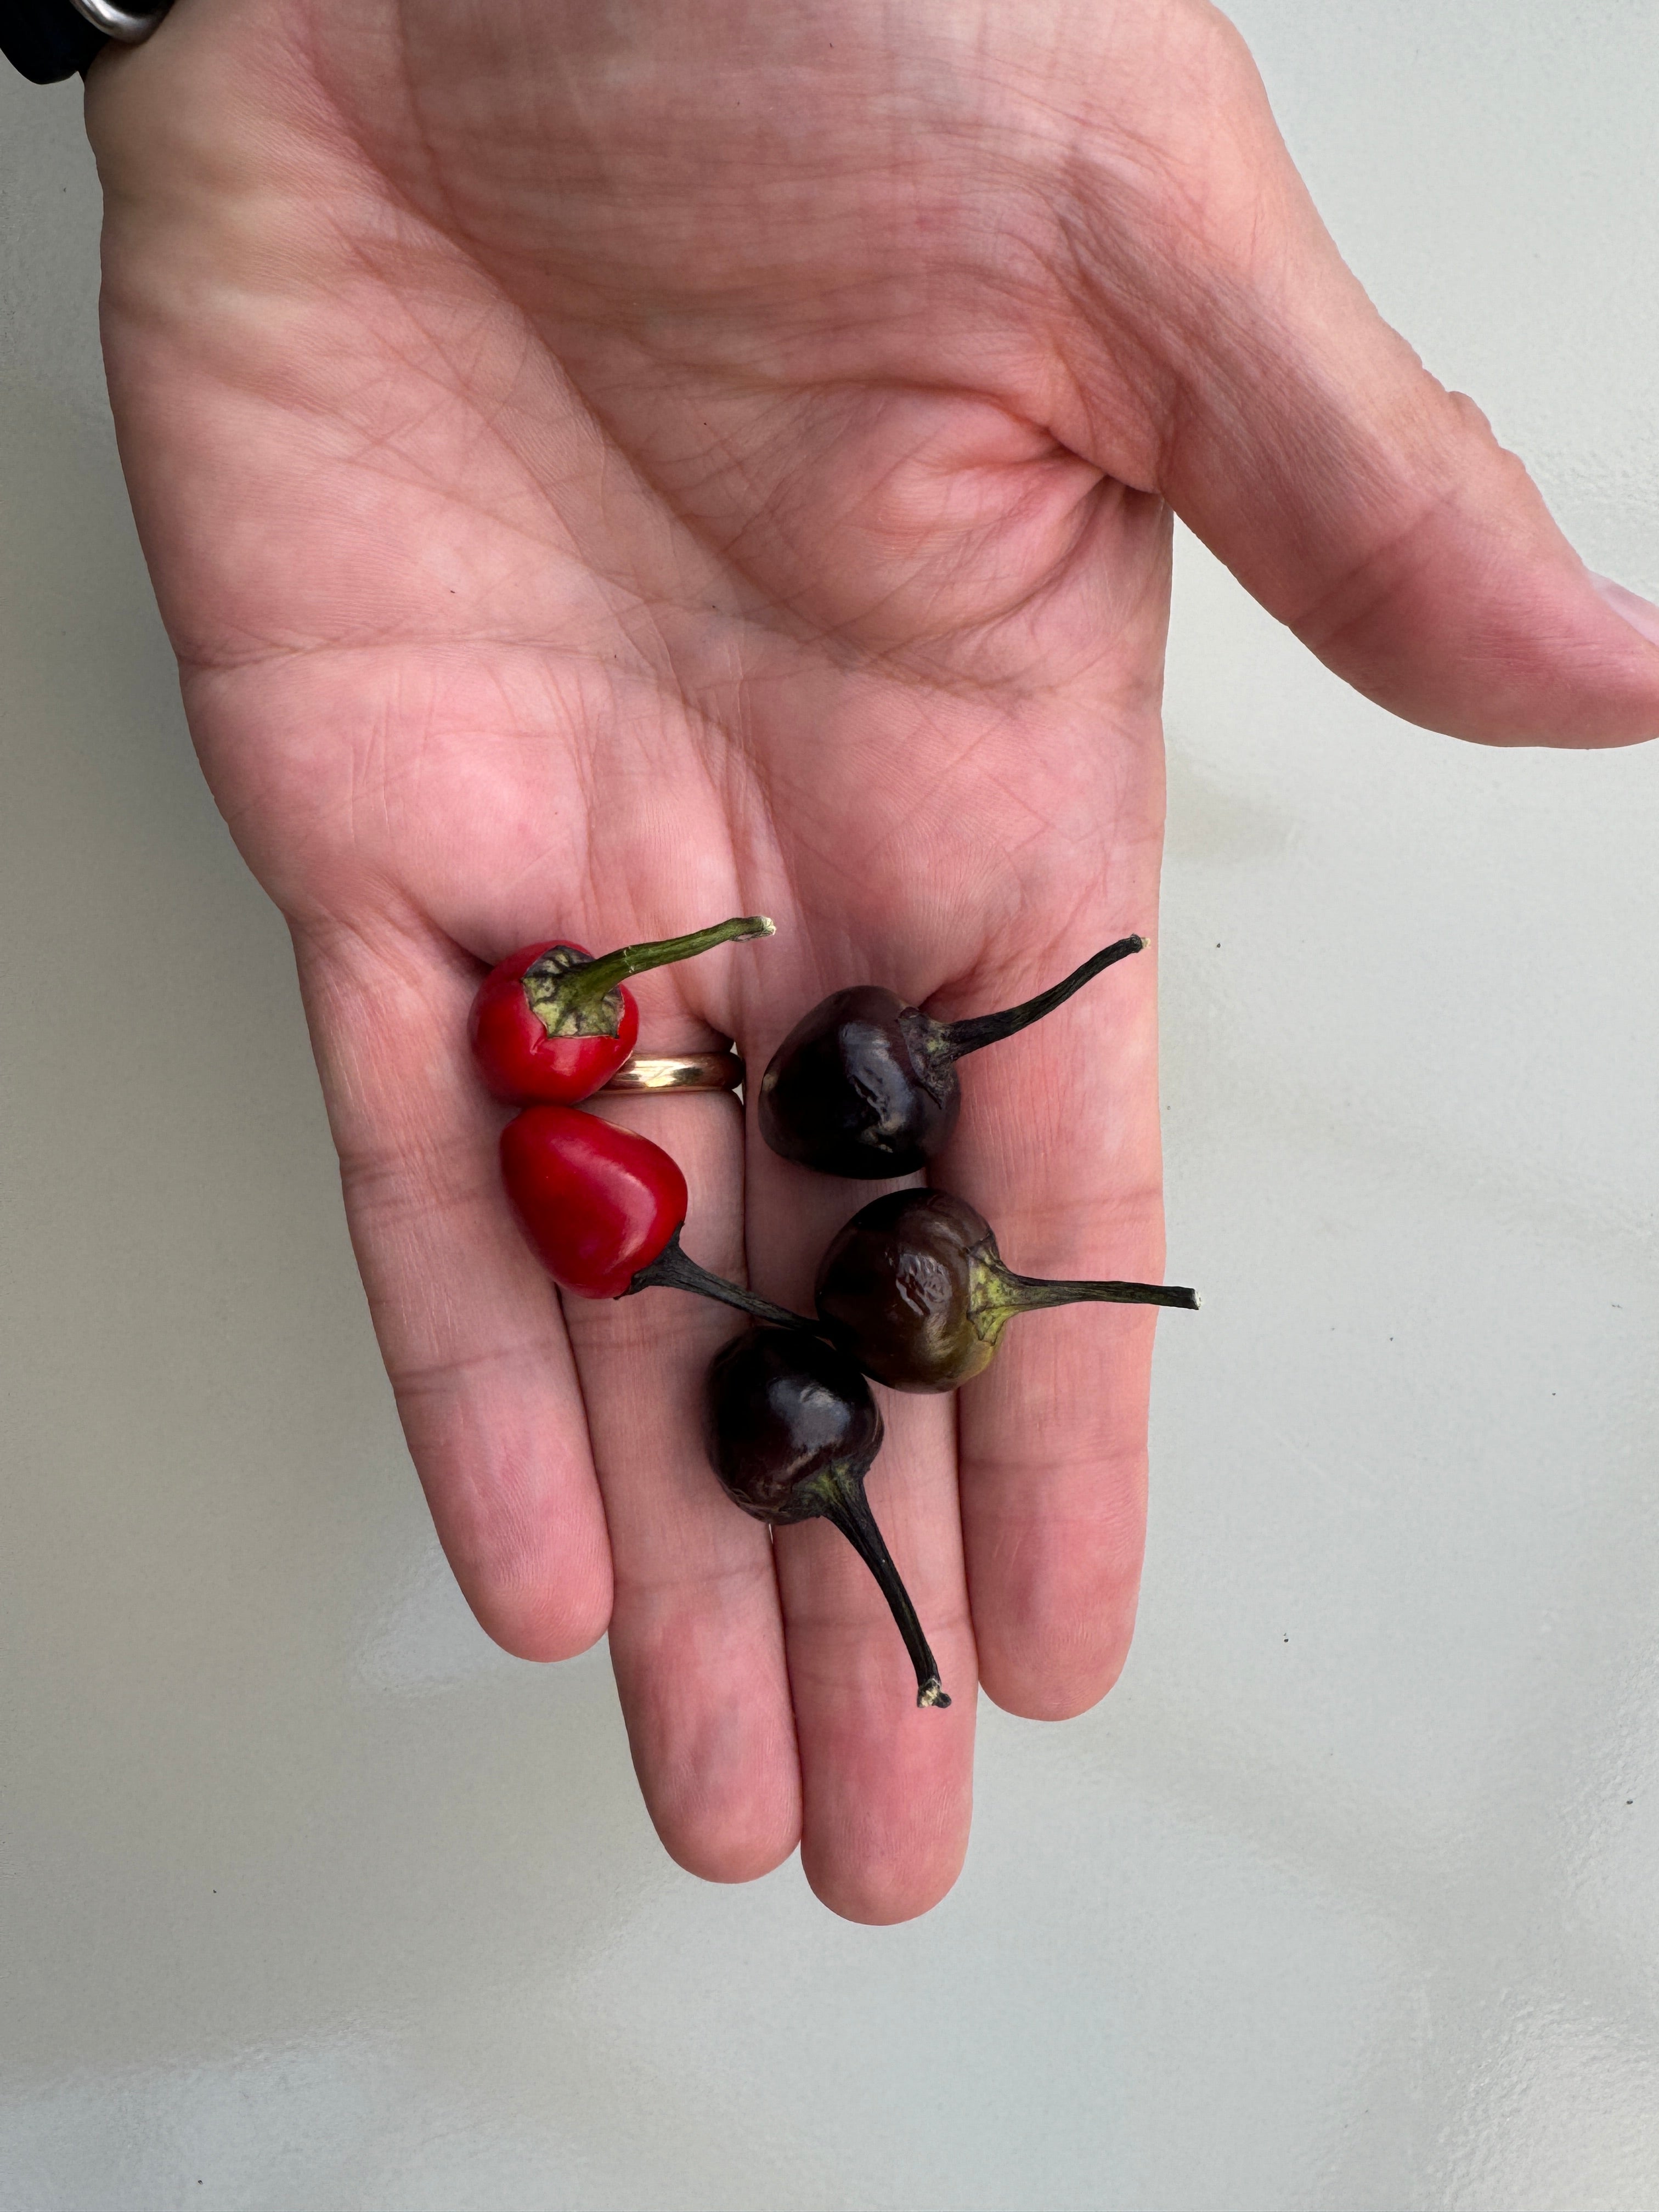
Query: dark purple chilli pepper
[[866, 1086], [914, 1289], [792, 1430]]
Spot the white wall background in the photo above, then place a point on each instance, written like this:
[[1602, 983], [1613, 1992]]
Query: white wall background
[[1348, 1898]]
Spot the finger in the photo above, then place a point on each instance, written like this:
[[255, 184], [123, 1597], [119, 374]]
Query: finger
[[697, 1637], [1302, 440], [887, 1788], [1059, 1149], [469, 1328]]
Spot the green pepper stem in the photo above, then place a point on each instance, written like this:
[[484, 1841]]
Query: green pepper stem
[[1028, 1292], [672, 1270], [849, 1509], [603, 974], [979, 1029]]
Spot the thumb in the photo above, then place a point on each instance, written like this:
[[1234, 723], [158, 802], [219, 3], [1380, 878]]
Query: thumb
[[1370, 509]]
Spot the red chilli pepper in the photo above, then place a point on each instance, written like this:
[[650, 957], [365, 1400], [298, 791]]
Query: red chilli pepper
[[603, 1210], [552, 1021]]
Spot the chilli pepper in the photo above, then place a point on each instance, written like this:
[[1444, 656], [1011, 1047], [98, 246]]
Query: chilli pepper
[[792, 1430], [552, 1021], [866, 1086], [914, 1290], [603, 1208]]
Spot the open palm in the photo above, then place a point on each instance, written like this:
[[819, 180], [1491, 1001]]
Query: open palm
[[606, 468]]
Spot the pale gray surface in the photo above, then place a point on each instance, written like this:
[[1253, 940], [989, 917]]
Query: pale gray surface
[[313, 1902]]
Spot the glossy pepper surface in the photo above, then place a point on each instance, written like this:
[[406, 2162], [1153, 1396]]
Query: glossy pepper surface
[[863, 1085], [791, 1431], [603, 1210], [552, 1023]]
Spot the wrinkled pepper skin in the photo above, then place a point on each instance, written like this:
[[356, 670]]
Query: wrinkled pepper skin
[[597, 1203], [518, 1060]]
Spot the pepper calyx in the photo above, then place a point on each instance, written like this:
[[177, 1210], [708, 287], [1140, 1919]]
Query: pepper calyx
[[996, 1293], [561, 995], [992, 1297], [933, 1056]]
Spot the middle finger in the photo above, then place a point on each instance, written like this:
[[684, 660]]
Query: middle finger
[[886, 1787]]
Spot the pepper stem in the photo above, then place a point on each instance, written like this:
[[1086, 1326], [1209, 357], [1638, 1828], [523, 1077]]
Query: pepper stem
[[672, 1271], [979, 1029], [1027, 1292], [568, 994], [607, 969], [849, 1508]]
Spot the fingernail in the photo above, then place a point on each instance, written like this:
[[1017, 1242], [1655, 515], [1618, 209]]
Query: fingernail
[[1641, 614]]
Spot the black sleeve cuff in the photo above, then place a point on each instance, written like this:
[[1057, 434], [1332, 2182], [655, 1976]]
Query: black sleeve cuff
[[46, 40]]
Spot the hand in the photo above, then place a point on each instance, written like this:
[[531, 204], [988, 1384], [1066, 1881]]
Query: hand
[[604, 469]]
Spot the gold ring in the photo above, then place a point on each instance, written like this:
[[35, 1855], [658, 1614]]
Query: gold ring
[[685, 1071]]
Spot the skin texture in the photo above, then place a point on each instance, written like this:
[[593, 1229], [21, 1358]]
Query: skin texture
[[605, 466]]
